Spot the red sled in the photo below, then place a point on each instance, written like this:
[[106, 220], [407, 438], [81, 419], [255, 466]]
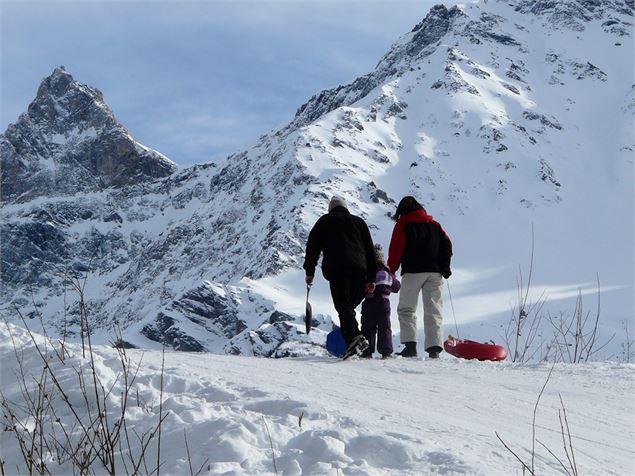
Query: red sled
[[469, 349]]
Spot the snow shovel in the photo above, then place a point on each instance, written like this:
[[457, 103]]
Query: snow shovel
[[308, 317]]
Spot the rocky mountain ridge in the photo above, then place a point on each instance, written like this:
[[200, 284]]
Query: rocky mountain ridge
[[423, 40]]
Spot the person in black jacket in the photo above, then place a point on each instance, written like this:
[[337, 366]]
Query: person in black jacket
[[348, 264], [423, 250]]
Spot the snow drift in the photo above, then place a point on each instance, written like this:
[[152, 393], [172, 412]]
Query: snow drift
[[242, 416]]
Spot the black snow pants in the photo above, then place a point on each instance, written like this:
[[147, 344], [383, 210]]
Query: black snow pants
[[348, 290]]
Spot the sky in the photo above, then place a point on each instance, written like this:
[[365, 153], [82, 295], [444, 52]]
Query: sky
[[197, 80]]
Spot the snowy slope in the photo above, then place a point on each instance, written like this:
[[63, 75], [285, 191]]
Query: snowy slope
[[500, 116], [395, 417]]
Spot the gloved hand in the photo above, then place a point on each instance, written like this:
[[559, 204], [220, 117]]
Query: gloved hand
[[446, 273]]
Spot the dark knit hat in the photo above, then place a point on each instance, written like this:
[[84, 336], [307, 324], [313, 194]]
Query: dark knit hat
[[379, 254], [337, 201]]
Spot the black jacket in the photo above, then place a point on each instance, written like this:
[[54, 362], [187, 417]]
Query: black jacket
[[427, 249], [419, 244], [345, 241]]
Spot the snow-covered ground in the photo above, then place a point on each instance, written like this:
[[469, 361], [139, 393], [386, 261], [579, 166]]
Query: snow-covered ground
[[324, 416]]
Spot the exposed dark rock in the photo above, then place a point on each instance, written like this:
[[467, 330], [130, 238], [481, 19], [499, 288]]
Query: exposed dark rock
[[574, 14], [516, 70], [379, 156], [479, 73], [377, 195], [544, 120], [547, 174], [396, 109], [209, 309], [503, 39], [278, 316], [511, 88], [123, 344], [165, 331], [588, 70], [30, 251]]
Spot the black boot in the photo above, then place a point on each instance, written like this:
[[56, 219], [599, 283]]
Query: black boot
[[367, 354], [433, 352], [358, 345], [410, 350]]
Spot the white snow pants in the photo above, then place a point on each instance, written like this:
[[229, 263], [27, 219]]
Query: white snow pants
[[430, 285]]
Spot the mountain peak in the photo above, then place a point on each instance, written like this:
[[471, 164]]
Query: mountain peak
[[437, 13], [69, 141], [59, 94], [420, 42], [59, 83], [59, 74]]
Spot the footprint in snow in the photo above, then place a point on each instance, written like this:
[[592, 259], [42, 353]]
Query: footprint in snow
[[276, 407], [446, 463]]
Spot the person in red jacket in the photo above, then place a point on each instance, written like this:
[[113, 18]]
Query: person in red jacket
[[423, 250]]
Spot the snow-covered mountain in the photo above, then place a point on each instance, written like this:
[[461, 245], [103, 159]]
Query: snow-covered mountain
[[498, 115], [68, 142]]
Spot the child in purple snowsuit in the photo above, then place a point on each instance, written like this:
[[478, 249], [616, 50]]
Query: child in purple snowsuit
[[376, 309]]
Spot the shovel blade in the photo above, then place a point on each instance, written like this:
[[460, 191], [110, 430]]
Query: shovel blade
[[308, 317]]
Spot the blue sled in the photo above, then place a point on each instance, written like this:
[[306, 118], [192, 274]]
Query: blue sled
[[335, 343]]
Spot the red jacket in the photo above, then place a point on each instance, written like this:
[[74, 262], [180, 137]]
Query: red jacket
[[419, 244]]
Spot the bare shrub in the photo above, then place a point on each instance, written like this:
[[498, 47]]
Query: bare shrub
[[527, 463], [189, 458], [273, 453], [524, 324], [532, 335], [52, 427], [575, 337], [627, 345]]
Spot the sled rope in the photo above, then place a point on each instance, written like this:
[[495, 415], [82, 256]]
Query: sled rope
[[453, 314]]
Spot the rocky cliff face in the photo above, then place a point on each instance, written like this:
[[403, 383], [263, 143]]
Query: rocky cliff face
[[69, 141], [492, 113]]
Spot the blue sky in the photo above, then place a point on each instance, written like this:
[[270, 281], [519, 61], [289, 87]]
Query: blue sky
[[197, 80]]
